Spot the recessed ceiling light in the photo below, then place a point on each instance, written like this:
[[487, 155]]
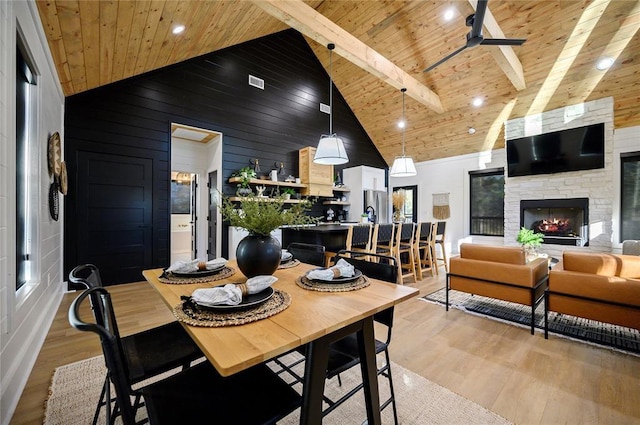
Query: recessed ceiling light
[[448, 15], [472, 130], [178, 29], [401, 124], [604, 63], [477, 101]]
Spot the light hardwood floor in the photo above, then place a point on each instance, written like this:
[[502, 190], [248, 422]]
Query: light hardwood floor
[[525, 378]]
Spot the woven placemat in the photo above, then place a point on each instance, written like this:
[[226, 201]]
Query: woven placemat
[[175, 280], [312, 285], [289, 264], [187, 313]]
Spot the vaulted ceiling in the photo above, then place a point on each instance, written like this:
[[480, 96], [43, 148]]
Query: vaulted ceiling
[[380, 47]]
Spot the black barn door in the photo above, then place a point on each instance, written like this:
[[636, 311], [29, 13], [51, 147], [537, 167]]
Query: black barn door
[[114, 211]]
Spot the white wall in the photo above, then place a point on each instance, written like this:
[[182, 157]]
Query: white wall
[[625, 140], [451, 175], [25, 315]]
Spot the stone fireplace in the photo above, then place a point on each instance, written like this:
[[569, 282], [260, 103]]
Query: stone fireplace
[[595, 187], [561, 221]]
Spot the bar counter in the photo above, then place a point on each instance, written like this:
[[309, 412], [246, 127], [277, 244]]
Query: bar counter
[[332, 236]]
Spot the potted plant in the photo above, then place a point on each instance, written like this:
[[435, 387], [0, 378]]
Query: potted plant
[[259, 253], [529, 240], [287, 193], [245, 174]]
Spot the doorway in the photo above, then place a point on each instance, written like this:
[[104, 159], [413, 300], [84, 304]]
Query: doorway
[[195, 154], [183, 216], [406, 198]]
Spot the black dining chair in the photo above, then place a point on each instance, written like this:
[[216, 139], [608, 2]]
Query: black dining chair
[[147, 353], [343, 354], [253, 396], [308, 253]]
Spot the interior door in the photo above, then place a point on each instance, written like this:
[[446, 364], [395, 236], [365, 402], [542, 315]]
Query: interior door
[[212, 219], [194, 216], [114, 210]]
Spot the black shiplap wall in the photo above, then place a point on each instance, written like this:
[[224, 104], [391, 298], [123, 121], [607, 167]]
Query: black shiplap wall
[[212, 92]]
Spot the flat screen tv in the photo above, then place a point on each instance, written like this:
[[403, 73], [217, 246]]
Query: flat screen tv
[[575, 149]]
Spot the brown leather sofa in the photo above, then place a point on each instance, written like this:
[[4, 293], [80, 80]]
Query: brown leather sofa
[[596, 286], [500, 272]]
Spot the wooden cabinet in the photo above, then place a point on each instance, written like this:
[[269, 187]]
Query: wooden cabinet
[[317, 178]]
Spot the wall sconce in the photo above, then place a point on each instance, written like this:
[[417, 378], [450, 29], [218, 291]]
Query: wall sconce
[[256, 165], [279, 166]]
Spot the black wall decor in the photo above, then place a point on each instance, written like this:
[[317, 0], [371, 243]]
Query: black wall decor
[[107, 209]]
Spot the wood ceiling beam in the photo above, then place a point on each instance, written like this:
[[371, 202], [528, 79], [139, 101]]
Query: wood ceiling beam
[[314, 25], [505, 56]]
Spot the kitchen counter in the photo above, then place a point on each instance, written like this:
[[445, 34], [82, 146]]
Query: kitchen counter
[[332, 236]]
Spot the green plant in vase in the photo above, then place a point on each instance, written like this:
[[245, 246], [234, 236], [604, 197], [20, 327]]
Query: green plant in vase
[[529, 240], [259, 253], [245, 174], [287, 192]]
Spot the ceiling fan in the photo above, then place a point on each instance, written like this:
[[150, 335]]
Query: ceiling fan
[[474, 37]]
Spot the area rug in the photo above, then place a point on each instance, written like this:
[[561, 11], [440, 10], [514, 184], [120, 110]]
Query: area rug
[[75, 389], [604, 334]]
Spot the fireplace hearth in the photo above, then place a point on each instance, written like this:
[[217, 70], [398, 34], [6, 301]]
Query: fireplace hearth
[[561, 221]]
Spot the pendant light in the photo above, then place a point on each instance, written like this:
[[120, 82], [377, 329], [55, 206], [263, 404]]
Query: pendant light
[[330, 150], [403, 165]]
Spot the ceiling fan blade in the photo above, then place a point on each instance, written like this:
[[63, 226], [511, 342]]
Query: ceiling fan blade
[[503, 41], [446, 58], [478, 19]]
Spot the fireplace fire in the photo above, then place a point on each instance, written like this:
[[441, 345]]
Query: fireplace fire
[[561, 221], [554, 227]]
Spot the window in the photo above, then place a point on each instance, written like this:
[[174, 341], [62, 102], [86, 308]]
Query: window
[[26, 170], [407, 198], [487, 202], [630, 196]]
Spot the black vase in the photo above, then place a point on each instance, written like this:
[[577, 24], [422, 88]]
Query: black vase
[[258, 255]]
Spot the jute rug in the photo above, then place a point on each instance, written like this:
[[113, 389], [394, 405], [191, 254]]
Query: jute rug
[[604, 334], [75, 390]]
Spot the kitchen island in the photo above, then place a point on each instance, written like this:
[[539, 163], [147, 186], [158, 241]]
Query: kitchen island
[[332, 236]]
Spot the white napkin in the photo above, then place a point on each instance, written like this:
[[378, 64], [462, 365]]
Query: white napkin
[[195, 265], [231, 294], [342, 269], [286, 255]]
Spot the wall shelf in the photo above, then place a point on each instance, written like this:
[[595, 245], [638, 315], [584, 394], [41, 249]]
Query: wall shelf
[[286, 201], [259, 182], [336, 203], [341, 189]]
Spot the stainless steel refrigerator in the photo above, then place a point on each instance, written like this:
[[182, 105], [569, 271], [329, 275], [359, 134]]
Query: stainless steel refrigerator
[[376, 205]]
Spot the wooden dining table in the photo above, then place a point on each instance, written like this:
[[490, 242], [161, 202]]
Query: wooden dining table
[[313, 318]]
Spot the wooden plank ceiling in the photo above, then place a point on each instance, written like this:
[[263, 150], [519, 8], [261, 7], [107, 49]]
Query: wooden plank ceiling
[[98, 42]]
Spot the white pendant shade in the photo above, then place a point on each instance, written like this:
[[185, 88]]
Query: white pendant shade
[[403, 166], [330, 151]]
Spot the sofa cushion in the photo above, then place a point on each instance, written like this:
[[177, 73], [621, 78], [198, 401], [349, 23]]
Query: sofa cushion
[[526, 275], [590, 262], [605, 288], [630, 267], [497, 254]]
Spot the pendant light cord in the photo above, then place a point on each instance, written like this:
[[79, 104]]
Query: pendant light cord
[[404, 123], [331, 46]]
